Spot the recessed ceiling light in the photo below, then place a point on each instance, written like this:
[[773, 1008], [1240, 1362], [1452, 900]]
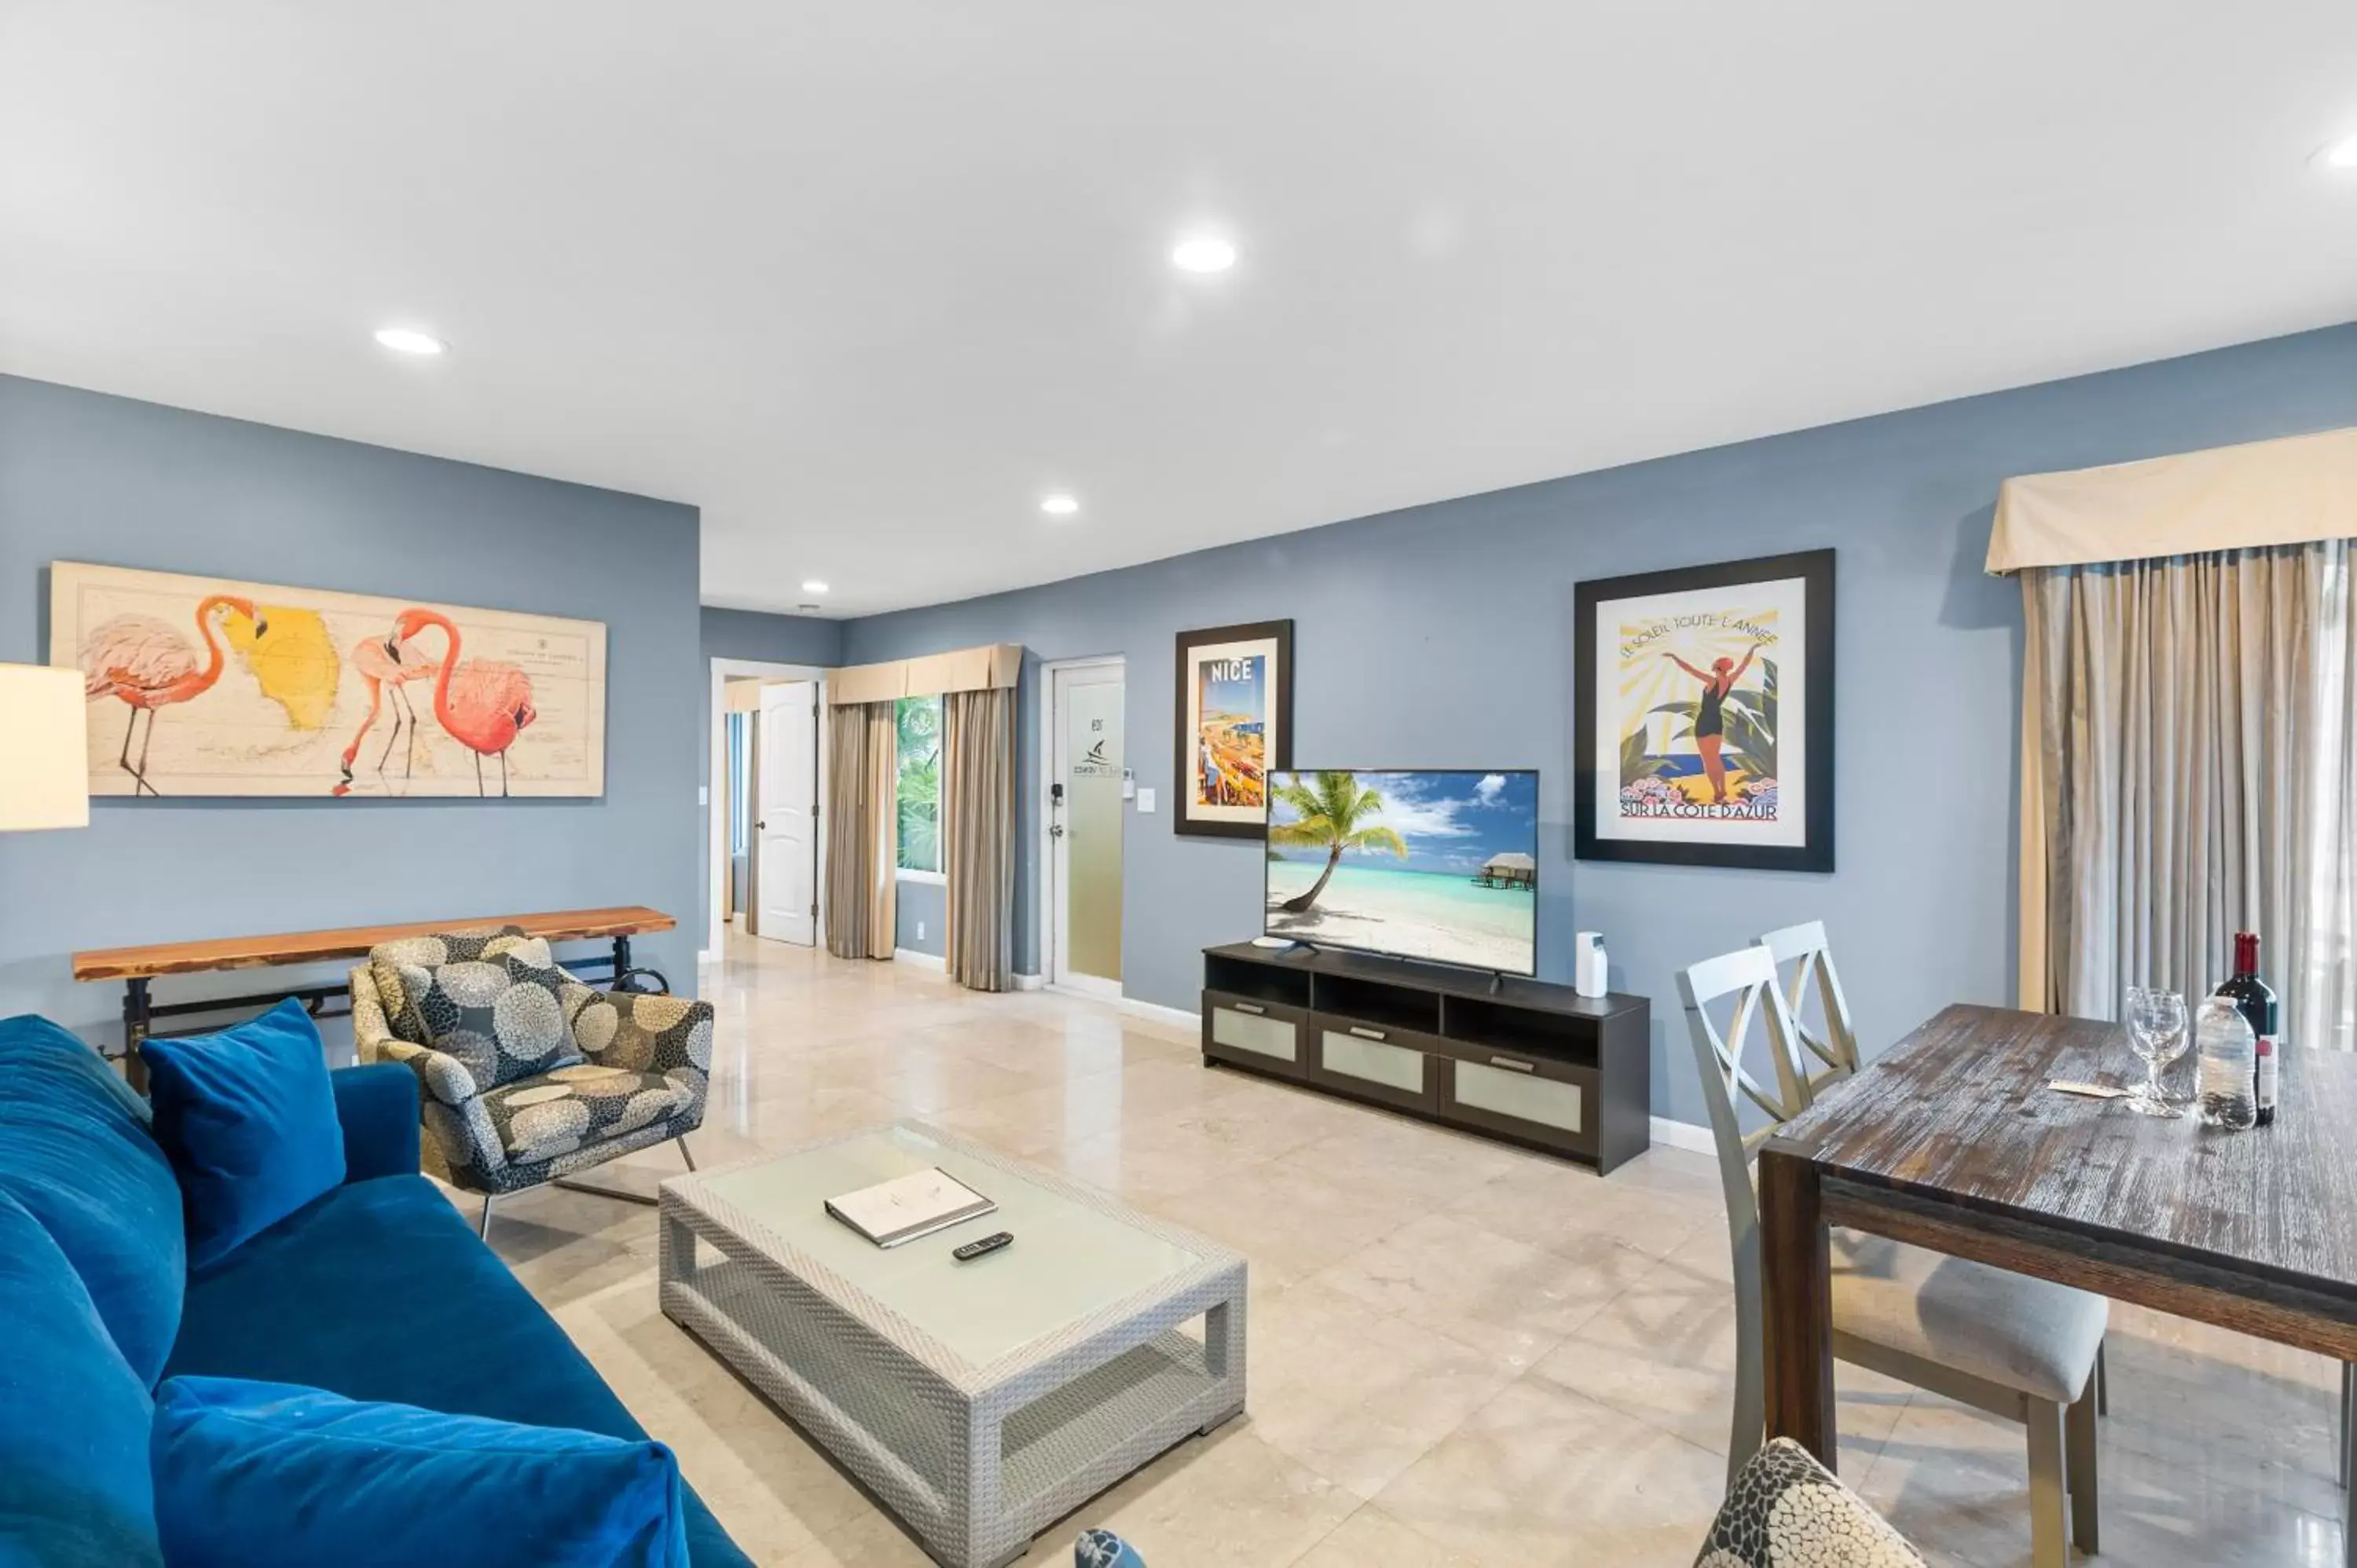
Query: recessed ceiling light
[[409, 341], [1203, 253], [814, 586], [1060, 505], [2341, 154]]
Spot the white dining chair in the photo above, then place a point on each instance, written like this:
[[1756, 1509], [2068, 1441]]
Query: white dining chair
[[2015, 1347], [1805, 970], [1804, 967]]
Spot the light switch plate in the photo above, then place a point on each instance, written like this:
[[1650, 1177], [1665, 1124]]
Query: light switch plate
[[1146, 801]]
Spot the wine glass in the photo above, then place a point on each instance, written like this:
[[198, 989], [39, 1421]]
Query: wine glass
[[2156, 1035]]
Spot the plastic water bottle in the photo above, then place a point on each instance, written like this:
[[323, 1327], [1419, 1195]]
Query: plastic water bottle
[[2225, 1080]]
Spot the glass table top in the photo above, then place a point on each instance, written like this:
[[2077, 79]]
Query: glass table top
[[1068, 1259]]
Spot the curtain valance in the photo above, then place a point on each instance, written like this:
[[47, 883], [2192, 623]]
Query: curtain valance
[[2293, 492], [932, 675]]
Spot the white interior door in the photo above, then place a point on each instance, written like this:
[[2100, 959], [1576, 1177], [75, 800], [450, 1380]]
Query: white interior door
[[1084, 826], [785, 827]]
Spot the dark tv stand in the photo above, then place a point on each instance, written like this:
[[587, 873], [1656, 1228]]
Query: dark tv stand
[[1523, 1061]]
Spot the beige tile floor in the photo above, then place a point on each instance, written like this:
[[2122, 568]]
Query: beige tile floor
[[1460, 1354]]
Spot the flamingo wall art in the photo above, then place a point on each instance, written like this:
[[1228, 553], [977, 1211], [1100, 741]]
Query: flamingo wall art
[[279, 691], [485, 703]]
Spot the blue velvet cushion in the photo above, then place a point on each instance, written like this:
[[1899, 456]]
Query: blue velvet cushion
[[74, 1418], [248, 1118], [380, 1291], [76, 1152], [260, 1475]]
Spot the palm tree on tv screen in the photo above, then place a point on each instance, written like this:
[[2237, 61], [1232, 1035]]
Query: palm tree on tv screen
[[1332, 809]]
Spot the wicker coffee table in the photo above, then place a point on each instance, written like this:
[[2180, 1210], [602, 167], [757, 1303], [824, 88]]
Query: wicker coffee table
[[980, 1401]]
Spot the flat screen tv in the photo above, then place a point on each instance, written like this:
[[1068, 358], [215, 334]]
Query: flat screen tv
[[1440, 864]]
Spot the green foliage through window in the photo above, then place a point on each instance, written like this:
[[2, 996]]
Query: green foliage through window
[[920, 792]]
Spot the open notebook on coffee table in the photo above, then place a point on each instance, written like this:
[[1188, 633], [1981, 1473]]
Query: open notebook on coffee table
[[908, 1207]]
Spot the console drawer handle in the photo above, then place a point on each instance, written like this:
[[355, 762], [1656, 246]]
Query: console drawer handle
[[1511, 1064], [1255, 1008], [1366, 1034]]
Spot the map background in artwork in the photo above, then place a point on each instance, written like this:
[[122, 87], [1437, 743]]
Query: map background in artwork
[[239, 740]]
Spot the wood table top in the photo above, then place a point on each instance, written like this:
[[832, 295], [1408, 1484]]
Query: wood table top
[[348, 941], [1958, 1113]]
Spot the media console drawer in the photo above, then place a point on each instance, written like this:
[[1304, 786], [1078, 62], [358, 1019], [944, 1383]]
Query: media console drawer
[[1509, 1087], [1372, 1060], [1263, 1034]]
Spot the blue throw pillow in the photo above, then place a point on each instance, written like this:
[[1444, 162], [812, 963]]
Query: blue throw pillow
[[76, 1151], [248, 1119], [270, 1475]]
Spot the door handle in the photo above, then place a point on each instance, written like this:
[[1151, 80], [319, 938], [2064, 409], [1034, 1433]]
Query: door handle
[[1511, 1064], [1255, 1008], [762, 827], [1366, 1034]]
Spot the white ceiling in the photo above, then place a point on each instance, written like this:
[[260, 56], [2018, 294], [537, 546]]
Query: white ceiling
[[865, 278]]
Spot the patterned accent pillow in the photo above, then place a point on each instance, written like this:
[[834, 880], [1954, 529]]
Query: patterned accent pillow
[[1103, 1549], [1785, 1507], [500, 1016], [387, 959]]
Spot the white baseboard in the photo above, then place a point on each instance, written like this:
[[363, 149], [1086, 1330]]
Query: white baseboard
[[709, 955], [1683, 1135], [921, 959], [1028, 981], [1187, 1017]]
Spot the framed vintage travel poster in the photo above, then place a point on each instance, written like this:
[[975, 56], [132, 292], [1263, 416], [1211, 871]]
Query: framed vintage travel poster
[[1704, 716], [205, 686], [1234, 724]]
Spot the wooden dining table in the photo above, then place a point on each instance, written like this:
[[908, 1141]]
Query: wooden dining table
[[1954, 1140]]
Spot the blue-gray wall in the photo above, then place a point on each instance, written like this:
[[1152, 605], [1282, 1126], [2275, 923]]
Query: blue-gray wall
[[922, 905], [746, 634], [89, 477], [1440, 636]]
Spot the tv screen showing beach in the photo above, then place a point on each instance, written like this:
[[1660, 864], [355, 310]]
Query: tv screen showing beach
[[1438, 865]]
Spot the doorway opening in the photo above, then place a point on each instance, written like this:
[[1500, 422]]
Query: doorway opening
[[1086, 786], [766, 857]]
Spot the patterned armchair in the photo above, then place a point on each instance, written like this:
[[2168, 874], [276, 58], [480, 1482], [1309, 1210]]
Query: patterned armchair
[[1785, 1507], [535, 1075]]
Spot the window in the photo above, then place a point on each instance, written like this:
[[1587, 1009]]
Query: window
[[740, 784], [918, 794]]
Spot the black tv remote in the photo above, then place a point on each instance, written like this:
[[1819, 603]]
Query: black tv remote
[[973, 1249]]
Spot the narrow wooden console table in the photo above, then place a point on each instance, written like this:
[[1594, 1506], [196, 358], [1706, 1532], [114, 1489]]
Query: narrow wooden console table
[[136, 967], [1525, 1061]]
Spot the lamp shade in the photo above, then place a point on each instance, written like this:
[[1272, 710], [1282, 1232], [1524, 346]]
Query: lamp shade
[[44, 748]]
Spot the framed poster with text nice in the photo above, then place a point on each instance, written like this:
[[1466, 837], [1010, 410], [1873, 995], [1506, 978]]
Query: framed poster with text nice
[[1234, 722]]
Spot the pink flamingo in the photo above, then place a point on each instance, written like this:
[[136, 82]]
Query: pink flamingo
[[150, 663], [483, 704], [383, 663]]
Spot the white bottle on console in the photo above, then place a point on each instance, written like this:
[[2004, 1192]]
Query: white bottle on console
[[1588, 962]]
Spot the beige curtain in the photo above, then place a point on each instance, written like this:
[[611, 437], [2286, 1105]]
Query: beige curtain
[[2187, 772], [979, 823], [862, 831], [2301, 489]]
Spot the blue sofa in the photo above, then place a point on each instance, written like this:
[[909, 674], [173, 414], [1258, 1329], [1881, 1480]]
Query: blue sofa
[[380, 1290]]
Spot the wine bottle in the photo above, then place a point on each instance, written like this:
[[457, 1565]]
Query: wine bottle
[[2258, 1002]]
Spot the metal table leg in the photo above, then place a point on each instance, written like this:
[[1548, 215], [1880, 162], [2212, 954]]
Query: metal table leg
[[136, 1019]]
